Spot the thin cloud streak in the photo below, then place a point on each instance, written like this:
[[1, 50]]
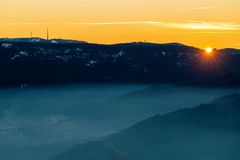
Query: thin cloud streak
[[192, 25], [211, 26], [196, 25]]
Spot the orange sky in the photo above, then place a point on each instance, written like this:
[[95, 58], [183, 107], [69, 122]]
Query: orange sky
[[200, 23]]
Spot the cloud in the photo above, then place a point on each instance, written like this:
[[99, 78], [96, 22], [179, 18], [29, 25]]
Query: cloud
[[210, 26], [186, 25], [196, 25]]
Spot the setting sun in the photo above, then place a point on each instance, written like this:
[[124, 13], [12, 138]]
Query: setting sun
[[208, 50]]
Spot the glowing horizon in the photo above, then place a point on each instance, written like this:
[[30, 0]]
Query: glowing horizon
[[202, 23]]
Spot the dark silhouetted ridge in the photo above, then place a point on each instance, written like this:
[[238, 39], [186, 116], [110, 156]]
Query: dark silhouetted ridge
[[40, 61]]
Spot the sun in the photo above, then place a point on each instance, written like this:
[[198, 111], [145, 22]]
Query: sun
[[209, 50]]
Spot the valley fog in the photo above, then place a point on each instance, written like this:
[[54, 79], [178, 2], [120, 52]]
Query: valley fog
[[44, 121]]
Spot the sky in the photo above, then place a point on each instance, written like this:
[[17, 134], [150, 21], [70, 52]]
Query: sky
[[200, 23]]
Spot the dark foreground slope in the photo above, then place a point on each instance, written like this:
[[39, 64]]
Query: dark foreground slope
[[207, 132], [60, 61]]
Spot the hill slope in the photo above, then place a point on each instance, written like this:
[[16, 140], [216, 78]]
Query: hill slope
[[210, 132]]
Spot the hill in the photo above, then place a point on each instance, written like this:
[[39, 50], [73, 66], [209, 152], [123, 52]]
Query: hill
[[209, 131], [24, 61]]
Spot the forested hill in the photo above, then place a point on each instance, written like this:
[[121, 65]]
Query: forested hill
[[24, 61]]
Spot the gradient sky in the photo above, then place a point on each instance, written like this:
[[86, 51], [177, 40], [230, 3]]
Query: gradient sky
[[201, 23]]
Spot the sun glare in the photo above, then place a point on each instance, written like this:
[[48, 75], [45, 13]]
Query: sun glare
[[209, 50]]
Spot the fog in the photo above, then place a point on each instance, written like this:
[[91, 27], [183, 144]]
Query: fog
[[39, 122]]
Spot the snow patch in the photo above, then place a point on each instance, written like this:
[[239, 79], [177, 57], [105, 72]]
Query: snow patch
[[62, 58], [91, 63], [6, 45], [35, 40], [119, 54], [15, 56], [66, 51], [181, 64], [23, 53], [54, 41], [79, 49]]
